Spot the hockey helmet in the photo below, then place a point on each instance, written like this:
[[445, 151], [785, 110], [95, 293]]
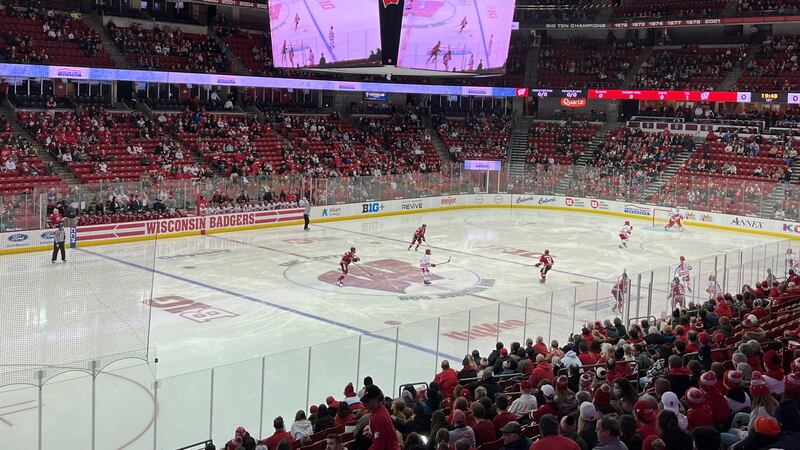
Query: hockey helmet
[[427, 251], [547, 252], [683, 259], [627, 222], [352, 249], [424, 226]]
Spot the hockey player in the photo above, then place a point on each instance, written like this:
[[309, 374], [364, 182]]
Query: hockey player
[[425, 265], [545, 264], [792, 261], [625, 234], [463, 25], [713, 288], [435, 52], [676, 293], [618, 292], [296, 21], [684, 272], [332, 38], [418, 237], [675, 218], [347, 258]]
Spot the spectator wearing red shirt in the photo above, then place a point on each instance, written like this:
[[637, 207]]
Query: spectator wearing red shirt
[[447, 380], [380, 428], [759, 310], [723, 309], [484, 429], [699, 413], [645, 415], [720, 409], [540, 347], [279, 435], [542, 372], [549, 393], [551, 440], [586, 358]]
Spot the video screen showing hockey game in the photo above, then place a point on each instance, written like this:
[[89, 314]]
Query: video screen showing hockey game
[[456, 35], [325, 33]]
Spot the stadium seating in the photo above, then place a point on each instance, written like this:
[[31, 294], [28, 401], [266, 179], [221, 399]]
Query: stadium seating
[[774, 67], [558, 143], [253, 50], [166, 49], [98, 146], [580, 62], [50, 38], [670, 8], [482, 137], [691, 67]]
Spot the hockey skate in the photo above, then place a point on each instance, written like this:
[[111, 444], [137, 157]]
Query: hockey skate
[[339, 283], [542, 281], [427, 282]]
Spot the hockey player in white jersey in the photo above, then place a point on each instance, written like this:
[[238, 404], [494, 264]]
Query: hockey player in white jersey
[[792, 260], [625, 234], [713, 288], [684, 273], [425, 265]]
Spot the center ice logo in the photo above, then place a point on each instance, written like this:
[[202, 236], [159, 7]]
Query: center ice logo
[[390, 275]]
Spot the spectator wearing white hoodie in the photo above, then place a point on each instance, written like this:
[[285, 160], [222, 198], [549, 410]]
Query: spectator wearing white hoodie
[[301, 428]]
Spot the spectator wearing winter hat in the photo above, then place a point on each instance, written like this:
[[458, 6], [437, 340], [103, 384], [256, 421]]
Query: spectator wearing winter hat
[[699, 413], [525, 403], [242, 439], [602, 399], [751, 330], [714, 398], [774, 374], [489, 383], [763, 403], [447, 379], [587, 424], [670, 402], [504, 357], [513, 438], [551, 439], [736, 396], [352, 399], [791, 385], [461, 430]]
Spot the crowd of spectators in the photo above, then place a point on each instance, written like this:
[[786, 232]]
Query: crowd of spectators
[[775, 66], [723, 373], [44, 36], [582, 62], [558, 142], [690, 67], [484, 136], [166, 49], [780, 7], [671, 8]]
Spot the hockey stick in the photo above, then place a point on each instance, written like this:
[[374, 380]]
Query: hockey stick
[[365, 270], [443, 263]]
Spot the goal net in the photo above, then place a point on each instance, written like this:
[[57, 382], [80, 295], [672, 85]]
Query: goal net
[[89, 311], [660, 217]]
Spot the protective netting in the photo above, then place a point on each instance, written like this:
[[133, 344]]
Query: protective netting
[[58, 317]]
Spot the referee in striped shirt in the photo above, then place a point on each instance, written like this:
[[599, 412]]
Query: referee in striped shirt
[[59, 236]]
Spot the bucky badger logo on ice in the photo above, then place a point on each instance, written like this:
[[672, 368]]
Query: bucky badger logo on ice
[[390, 275]]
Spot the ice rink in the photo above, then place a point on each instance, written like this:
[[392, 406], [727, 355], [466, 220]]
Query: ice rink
[[230, 299]]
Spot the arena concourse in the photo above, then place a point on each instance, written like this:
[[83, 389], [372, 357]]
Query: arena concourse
[[626, 277]]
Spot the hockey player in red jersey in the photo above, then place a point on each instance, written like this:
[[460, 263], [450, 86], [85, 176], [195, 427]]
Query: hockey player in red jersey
[[676, 293], [418, 238], [425, 265], [625, 234], [618, 292], [545, 264], [675, 218], [349, 257]]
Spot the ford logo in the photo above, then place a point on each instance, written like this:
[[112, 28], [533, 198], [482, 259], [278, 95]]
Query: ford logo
[[18, 237], [47, 235]]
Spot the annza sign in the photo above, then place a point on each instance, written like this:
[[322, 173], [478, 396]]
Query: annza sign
[[745, 222]]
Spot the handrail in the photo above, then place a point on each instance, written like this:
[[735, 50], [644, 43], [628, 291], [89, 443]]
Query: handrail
[[203, 443]]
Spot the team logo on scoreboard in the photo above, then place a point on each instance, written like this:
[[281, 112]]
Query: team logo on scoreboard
[[386, 3]]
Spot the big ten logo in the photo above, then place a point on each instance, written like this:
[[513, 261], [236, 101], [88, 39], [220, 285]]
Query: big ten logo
[[492, 12], [369, 208], [188, 308], [326, 4]]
